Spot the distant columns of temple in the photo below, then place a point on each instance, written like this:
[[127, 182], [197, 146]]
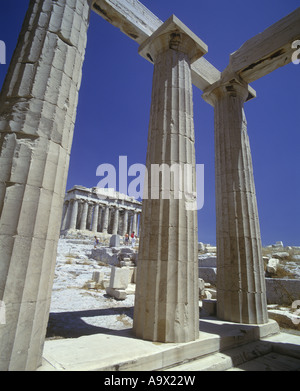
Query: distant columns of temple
[[85, 214]]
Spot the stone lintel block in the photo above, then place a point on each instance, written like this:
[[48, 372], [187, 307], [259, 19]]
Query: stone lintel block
[[175, 35]]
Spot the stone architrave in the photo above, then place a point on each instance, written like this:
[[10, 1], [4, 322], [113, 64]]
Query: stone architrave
[[166, 301], [38, 105], [241, 295]]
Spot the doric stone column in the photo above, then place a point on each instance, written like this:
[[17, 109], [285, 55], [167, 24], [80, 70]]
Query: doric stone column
[[89, 217], [241, 291], [167, 295], [95, 218], [139, 224], [64, 215], [74, 214], [105, 219], [125, 221], [134, 221], [37, 113], [130, 222], [115, 221], [99, 229], [84, 215]]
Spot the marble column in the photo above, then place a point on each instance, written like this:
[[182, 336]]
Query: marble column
[[95, 218], [38, 105], [115, 221], [125, 221], [167, 294], [84, 216], [89, 217], [134, 222], [99, 228], [139, 223], [105, 219], [240, 278], [74, 214], [130, 225], [64, 215]]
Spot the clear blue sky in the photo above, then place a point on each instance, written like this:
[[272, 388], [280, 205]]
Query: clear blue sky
[[114, 105]]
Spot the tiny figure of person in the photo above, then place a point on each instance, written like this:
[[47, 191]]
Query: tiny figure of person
[[126, 239], [96, 242], [133, 238]]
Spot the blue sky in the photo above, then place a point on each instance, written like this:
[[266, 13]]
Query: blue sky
[[115, 97]]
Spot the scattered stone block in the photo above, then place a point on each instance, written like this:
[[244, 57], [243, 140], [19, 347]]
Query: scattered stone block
[[278, 244], [132, 274], [98, 276], [211, 249], [201, 246], [207, 262], [272, 265], [90, 285], [105, 255], [105, 283], [208, 274], [282, 291], [281, 255], [209, 307], [114, 241], [130, 290], [119, 294], [119, 277]]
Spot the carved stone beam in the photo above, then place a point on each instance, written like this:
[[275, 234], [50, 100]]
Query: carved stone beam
[[268, 50], [138, 22]]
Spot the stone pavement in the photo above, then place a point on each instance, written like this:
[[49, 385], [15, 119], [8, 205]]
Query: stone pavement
[[221, 346]]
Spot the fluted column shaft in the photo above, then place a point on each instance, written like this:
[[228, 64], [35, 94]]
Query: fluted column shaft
[[74, 214], [84, 215], [125, 221], [167, 299], [37, 113], [95, 218], [240, 279], [89, 217], [134, 221], [99, 228], [115, 222], [105, 219], [64, 215]]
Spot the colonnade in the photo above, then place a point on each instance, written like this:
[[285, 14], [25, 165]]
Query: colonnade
[[108, 218]]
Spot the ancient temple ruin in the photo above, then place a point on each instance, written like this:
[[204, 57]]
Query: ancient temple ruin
[[37, 115], [94, 211]]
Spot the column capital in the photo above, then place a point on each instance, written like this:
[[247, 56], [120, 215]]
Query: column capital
[[229, 85], [173, 34]]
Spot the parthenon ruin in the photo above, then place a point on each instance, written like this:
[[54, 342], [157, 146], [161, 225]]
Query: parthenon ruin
[[98, 211], [37, 115]]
